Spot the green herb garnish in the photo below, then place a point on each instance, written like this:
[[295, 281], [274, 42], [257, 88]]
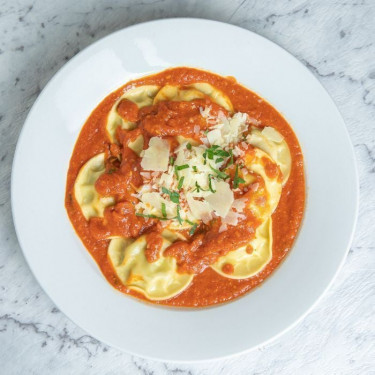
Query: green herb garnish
[[171, 160], [180, 183], [237, 180], [210, 184], [219, 174], [164, 209], [178, 214], [198, 188], [189, 222], [195, 169], [173, 195], [176, 172], [193, 229], [181, 167], [151, 216], [222, 153], [219, 160], [231, 158], [188, 146]]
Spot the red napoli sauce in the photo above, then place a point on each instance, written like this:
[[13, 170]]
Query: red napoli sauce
[[169, 119]]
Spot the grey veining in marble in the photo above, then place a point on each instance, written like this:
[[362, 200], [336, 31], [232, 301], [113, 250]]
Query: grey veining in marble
[[334, 39]]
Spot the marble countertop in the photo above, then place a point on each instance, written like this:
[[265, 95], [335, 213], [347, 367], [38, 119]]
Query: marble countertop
[[334, 39]]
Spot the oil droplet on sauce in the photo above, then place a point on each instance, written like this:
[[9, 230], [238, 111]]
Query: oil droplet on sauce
[[228, 268]]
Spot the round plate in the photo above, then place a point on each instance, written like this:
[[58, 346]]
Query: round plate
[[65, 269]]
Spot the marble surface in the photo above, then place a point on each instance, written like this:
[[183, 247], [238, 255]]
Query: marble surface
[[334, 39]]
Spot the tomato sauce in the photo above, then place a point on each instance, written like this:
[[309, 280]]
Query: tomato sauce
[[122, 178]]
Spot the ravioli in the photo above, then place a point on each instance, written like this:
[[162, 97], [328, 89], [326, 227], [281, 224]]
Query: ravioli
[[254, 162], [177, 94], [137, 145], [158, 280], [142, 96], [194, 91], [275, 146], [215, 94], [91, 203], [247, 261]]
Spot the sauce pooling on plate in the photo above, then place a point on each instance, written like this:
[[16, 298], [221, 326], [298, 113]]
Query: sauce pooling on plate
[[186, 188]]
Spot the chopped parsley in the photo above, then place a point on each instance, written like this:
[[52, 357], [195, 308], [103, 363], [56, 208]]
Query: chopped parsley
[[231, 158], [188, 146], [237, 180], [210, 184], [176, 172], [151, 216], [173, 195], [178, 214], [219, 173], [195, 169], [198, 188], [164, 210], [204, 157], [222, 153], [193, 229], [180, 183], [181, 167]]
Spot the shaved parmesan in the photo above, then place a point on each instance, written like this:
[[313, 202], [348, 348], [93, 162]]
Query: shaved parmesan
[[223, 228], [238, 152], [152, 202], [239, 204], [156, 157], [227, 130], [199, 209], [221, 201], [214, 137], [254, 121], [231, 218]]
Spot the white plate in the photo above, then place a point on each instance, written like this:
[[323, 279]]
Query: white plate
[[65, 269]]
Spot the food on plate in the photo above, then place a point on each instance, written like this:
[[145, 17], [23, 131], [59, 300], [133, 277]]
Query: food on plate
[[186, 188]]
